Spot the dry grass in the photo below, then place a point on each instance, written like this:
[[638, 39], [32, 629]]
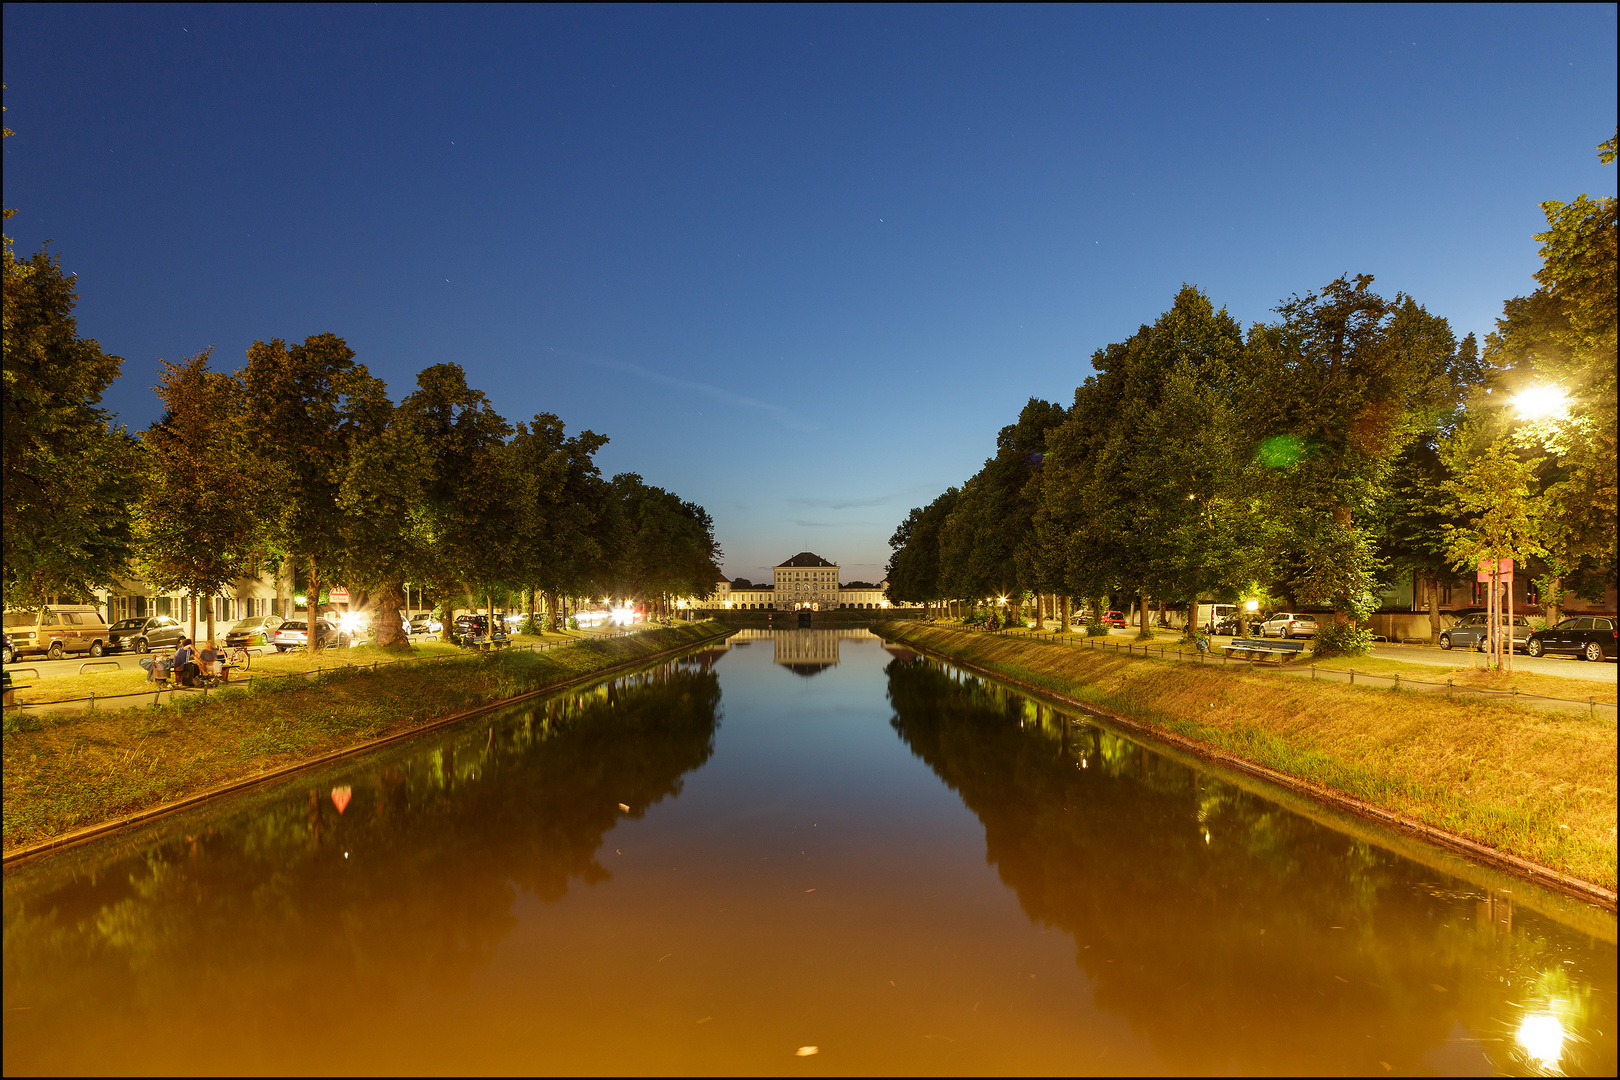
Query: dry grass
[[67, 771], [1466, 672], [1539, 785]]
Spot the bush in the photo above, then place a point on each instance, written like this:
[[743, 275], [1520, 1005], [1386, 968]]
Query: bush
[[1342, 639], [529, 626], [1096, 629]]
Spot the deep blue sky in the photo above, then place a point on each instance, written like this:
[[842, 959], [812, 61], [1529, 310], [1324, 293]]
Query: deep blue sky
[[800, 264]]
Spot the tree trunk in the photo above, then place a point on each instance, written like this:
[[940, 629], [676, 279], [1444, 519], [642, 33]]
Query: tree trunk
[[212, 603], [390, 629], [1040, 612], [314, 606], [1067, 609], [1343, 516], [1431, 581], [191, 615], [283, 574], [1553, 604]]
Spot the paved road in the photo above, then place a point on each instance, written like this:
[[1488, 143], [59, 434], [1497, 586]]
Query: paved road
[[1566, 667]]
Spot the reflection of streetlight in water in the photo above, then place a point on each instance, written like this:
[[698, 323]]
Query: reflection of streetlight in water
[[1542, 1036]]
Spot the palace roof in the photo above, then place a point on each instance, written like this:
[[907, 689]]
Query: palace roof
[[805, 558]]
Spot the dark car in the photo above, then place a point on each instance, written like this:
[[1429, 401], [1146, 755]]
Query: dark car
[[144, 635], [1473, 630], [472, 625], [1587, 638], [11, 653]]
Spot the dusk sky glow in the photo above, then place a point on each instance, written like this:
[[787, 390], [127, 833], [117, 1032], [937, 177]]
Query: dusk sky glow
[[799, 264]]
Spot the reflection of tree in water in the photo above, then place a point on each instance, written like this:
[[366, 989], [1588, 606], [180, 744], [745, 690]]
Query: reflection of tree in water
[[414, 879], [1234, 934]]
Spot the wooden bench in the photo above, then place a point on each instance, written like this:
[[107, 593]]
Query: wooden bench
[[1251, 648]]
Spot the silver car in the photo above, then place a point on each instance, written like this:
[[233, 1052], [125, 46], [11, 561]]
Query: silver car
[[1286, 625], [1470, 630]]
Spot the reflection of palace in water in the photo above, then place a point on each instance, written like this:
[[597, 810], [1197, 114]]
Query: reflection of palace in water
[[804, 652]]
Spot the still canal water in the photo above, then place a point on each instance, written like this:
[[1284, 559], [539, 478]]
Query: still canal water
[[798, 840]]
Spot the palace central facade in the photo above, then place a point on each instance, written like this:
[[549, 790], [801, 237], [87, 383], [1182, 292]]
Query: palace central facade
[[806, 582]]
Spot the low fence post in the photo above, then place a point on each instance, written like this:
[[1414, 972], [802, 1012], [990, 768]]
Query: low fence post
[[1352, 676]]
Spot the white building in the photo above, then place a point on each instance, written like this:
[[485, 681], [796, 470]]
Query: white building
[[806, 582]]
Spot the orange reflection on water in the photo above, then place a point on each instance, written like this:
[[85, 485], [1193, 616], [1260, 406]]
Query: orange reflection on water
[[735, 864]]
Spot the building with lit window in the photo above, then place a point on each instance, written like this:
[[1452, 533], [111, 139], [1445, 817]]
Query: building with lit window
[[806, 582]]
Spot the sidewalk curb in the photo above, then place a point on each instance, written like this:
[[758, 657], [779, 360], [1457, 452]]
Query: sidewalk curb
[[1584, 890], [139, 817]]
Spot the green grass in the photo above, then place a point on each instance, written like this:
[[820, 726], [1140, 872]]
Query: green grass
[[1540, 785], [71, 770]]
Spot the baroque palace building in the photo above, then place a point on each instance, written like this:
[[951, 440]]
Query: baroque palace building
[[806, 582]]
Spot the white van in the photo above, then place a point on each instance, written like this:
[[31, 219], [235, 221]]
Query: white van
[[1211, 615]]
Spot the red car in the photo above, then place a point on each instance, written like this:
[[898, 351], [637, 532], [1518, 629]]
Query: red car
[[1114, 619]]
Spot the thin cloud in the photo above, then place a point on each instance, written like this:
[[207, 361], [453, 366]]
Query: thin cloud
[[787, 416], [845, 504]]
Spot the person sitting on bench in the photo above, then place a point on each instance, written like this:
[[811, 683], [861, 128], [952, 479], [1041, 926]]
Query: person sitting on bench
[[185, 664], [208, 660]]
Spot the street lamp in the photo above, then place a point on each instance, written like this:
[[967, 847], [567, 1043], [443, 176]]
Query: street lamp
[[1540, 402]]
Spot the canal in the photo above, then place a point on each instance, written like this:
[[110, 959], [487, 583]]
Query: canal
[[802, 851]]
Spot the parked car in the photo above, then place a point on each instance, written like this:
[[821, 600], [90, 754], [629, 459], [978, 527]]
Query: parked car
[[1586, 637], [57, 631], [1286, 624], [1228, 626], [295, 635], [10, 655], [1471, 630], [472, 625], [259, 631], [1115, 619], [144, 635], [424, 624]]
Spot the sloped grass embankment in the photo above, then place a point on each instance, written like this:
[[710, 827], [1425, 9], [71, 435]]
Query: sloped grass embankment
[[81, 769], [1533, 784]]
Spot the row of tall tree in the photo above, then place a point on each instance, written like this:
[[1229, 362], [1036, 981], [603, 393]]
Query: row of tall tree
[[300, 461], [302, 453], [1309, 460]]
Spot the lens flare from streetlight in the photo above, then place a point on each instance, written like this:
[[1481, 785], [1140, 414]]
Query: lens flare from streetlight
[[1541, 402], [1542, 1036]]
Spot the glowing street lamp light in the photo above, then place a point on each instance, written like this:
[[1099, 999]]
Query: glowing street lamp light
[[1540, 402]]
